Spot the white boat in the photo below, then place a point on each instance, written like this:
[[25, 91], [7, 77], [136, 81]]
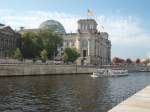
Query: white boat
[[109, 72]]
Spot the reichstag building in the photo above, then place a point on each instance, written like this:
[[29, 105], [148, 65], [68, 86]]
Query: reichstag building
[[94, 46]]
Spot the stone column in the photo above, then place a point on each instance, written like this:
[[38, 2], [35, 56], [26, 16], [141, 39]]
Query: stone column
[[88, 47]]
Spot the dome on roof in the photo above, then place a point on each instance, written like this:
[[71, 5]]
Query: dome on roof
[[53, 25], [2, 24]]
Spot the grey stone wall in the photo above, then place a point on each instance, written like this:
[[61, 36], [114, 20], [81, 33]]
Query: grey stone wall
[[29, 69]]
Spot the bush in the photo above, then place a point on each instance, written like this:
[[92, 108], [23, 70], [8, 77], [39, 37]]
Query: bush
[[44, 55], [18, 54]]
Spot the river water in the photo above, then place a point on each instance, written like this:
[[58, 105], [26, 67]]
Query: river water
[[67, 93]]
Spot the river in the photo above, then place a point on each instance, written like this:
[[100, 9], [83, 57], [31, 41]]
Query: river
[[67, 93]]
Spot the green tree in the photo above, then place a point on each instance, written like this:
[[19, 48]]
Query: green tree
[[30, 45], [50, 41], [65, 57], [34, 42], [18, 54], [70, 55], [44, 55]]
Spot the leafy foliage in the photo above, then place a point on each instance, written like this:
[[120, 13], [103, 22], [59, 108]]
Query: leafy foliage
[[146, 61], [70, 55], [129, 61], [34, 42], [138, 61], [65, 57], [18, 54], [44, 55], [117, 60]]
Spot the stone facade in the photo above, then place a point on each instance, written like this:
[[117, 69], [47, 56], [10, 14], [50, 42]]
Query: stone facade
[[9, 40], [94, 47]]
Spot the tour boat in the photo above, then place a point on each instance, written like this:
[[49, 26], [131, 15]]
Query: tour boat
[[109, 72]]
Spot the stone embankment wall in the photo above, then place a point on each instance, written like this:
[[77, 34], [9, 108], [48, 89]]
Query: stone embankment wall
[[41, 69], [31, 69]]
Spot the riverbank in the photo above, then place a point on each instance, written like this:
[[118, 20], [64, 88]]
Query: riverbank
[[139, 102], [46, 69]]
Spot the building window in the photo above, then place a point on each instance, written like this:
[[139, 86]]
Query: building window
[[84, 53]]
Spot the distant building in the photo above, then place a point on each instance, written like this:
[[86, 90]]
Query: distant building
[[9, 40], [94, 46]]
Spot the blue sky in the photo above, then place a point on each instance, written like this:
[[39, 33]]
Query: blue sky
[[127, 7], [126, 21]]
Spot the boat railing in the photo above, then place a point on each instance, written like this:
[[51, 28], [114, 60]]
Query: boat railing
[[110, 72]]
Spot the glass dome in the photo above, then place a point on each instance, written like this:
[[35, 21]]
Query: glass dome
[[53, 25]]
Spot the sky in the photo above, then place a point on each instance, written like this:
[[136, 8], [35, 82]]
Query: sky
[[126, 21]]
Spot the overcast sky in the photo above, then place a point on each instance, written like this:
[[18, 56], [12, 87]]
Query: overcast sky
[[126, 21]]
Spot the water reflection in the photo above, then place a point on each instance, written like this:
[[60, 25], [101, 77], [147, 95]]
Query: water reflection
[[67, 93]]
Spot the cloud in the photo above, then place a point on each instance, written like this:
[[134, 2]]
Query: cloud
[[121, 28], [128, 38], [32, 19]]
